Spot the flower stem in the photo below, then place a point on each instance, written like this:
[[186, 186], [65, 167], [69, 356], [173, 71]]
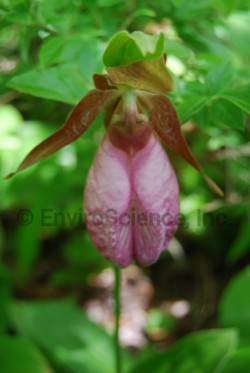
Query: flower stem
[[117, 289]]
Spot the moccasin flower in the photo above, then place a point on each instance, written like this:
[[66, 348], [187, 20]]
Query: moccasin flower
[[131, 186]]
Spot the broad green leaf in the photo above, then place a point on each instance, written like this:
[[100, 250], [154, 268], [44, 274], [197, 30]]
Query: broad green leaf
[[53, 51], [82, 259], [191, 105], [202, 352], [238, 31], [65, 334], [108, 3], [239, 96], [20, 16], [17, 355], [190, 10], [176, 48], [234, 307], [158, 320], [224, 7], [27, 240], [83, 53], [124, 48], [12, 119], [62, 83], [5, 291], [238, 363], [218, 79], [140, 12], [241, 244], [227, 114]]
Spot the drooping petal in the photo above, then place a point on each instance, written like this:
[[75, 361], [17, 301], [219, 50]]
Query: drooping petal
[[101, 82], [107, 203], [77, 123], [166, 124], [156, 202]]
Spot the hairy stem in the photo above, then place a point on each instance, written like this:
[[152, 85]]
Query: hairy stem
[[117, 289]]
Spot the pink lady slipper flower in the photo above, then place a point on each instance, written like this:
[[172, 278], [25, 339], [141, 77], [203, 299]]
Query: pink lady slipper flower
[[131, 187]]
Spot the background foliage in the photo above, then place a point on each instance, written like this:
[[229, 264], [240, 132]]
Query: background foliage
[[49, 51]]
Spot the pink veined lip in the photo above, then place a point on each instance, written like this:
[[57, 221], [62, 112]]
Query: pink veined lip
[[131, 202]]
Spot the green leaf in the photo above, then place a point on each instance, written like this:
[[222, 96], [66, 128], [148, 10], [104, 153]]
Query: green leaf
[[53, 51], [108, 3], [239, 362], [20, 16], [234, 308], [218, 79], [5, 295], [201, 352], [191, 105], [62, 330], [177, 48], [225, 113], [85, 54], [125, 49], [238, 31], [17, 355], [224, 7], [28, 243], [241, 244], [62, 83], [239, 96]]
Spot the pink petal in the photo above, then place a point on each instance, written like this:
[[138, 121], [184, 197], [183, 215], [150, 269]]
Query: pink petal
[[156, 199], [131, 202], [107, 198]]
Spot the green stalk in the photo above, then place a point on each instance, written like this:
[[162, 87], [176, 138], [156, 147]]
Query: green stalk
[[117, 290]]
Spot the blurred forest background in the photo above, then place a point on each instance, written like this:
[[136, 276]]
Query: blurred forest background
[[189, 312]]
